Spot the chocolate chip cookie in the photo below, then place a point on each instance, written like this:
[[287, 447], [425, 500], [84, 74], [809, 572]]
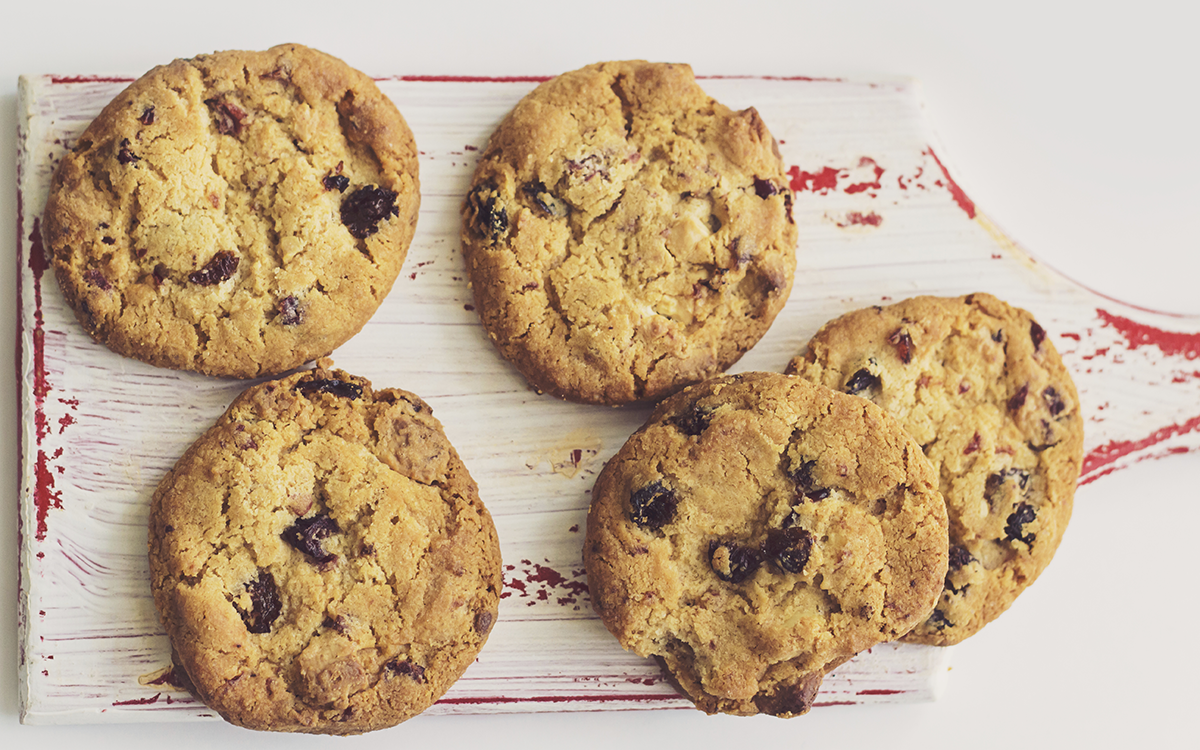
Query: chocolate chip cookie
[[237, 214], [980, 386], [760, 530], [321, 559], [626, 235]]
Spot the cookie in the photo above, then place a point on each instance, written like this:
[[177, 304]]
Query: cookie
[[320, 558], [626, 235], [758, 531], [980, 386], [235, 214]]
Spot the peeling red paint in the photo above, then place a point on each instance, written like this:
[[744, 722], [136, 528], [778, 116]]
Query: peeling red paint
[[881, 692], [1107, 454], [596, 698], [540, 583], [1072, 336], [470, 79], [45, 496], [864, 186], [965, 203], [90, 79], [857, 218], [822, 181], [1169, 343]]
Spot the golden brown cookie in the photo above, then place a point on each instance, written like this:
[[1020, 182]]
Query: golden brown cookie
[[981, 387], [758, 531], [627, 235], [321, 559], [236, 214]]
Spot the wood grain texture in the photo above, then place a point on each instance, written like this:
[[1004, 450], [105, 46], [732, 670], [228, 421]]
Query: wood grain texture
[[880, 219]]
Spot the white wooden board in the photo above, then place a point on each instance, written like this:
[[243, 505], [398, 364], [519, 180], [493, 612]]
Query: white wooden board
[[880, 219]]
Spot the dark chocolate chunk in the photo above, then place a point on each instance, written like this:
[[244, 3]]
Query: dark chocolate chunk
[[483, 622], [363, 209], [789, 548], [221, 267], [765, 188], [695, 420], [306, 535], [342, 388], [959, 556], [265, 604], [733, 562], [406, 668], [938, 619], [1013, 528], [338, 182], [861, 381], [653, 506]]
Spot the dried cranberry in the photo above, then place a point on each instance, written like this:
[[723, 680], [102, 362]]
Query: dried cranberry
[[221, 267], [341, 388], [290, 312], [306, 535], [1012, 529], [653, 506], [973, 445], [1037, 334], [338, 182], [959, 556], [588, 167], [96, 279], [265, 604], [1018, 398], [789, 548], [363, 209], [124, 155], [407, 668], [732, 562], [861, 381], [1053, 401], [147, 116], [903, 343], [228, 116], [695, 420], [765, 188]]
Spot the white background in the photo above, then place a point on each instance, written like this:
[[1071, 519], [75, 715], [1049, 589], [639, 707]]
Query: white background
[[1075, 126]]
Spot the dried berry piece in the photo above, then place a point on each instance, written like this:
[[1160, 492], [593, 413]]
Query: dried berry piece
[[653, 506], [996, 482], [306, 535], [265, 604], [588, 167], [1013, 526], [732, 562], [1018, 398], [406, 668], [861, 381], [220, 268], [959, 556], [290, 312], [938, 619], [160, 273], [341, 388], [363, 209], [1054, 402], [338, 182], [1037, 334], [695, 420], [765, 188], [803, 477], [96, 279], [124, 155], [147, 116], [491, 218], [903, 343], [789, 548], [545, 200], [227, 116], [973, 445]]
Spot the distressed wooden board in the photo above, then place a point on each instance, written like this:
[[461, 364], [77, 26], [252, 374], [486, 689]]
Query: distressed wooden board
[[880, 219]]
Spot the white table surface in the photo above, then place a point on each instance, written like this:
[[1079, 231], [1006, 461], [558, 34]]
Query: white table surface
[[1072, 125]]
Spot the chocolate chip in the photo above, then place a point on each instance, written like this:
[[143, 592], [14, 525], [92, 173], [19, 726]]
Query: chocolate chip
[[789, 548], [363, 209], [808, 488], [221, 267], [147, 116], [903, 343], [483, 622], [307, 533], [1037, 334], [124, 155], [338, 182], [1013, 527], [861, 381], [733, 562], [406, 668], [938, 619], [1053, 401], [227, 116], [265, 604], [290, 312], [653, 506], [765, 188], [959, 556], [341, 388], [695, 420]]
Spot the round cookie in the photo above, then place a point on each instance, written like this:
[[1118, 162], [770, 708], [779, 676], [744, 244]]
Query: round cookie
[[980, 386], [758, 531], [321, 559], [626, 235], [235, 214]]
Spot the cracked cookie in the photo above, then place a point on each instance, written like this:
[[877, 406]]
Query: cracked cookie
[[236, 214], [757, 532], [980, 386], [626, 235], [320, 558]]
